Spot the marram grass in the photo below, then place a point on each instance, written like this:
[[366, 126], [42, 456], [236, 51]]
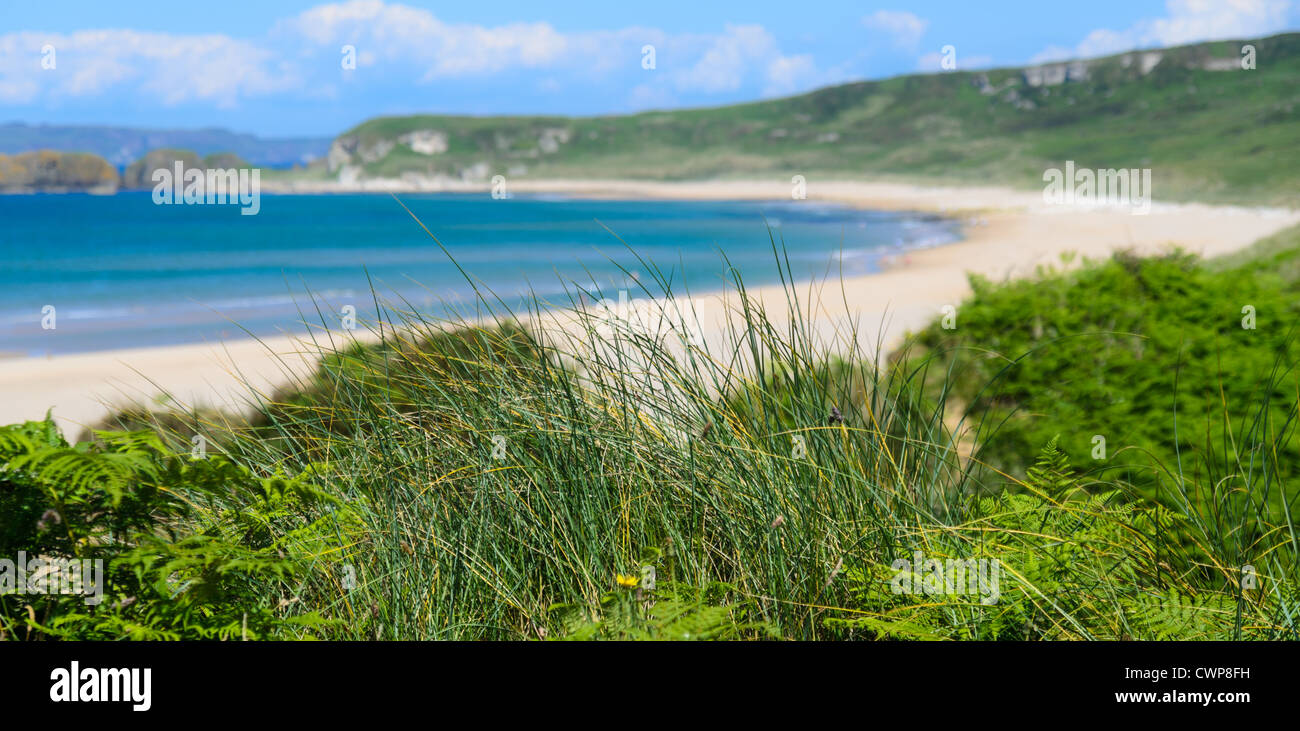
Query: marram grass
[[489, 478]]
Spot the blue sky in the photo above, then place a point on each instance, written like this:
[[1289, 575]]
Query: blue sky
[[276, 67]]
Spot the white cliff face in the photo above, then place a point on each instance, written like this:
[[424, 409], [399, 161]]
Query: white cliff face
[[425, 141], [551, 138], [347, 154], [1149, 60], [349, 175], [1056, 73], [340, 154], [1045, 76], [1145, 61], [1221, 64], [377, 151]]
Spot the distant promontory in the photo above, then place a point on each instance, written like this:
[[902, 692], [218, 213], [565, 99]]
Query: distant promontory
[[52, 171]]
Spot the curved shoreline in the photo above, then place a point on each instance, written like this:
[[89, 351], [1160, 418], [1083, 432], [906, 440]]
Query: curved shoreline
[[239, 281], [1006, 233]]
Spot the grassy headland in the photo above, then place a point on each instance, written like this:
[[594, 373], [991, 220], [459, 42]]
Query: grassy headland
[[1209, 130]]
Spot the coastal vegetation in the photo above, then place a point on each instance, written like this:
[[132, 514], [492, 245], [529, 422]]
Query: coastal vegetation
[[455, 480], [1107, 356], [1104, 450]]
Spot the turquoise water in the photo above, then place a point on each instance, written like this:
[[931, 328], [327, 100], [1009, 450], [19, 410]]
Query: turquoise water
[[123, 272]]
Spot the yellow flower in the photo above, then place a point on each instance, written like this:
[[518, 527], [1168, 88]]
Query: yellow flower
[[627, 582]]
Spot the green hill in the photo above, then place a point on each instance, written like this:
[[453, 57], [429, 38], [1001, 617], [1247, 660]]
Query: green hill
[[1208, 128]]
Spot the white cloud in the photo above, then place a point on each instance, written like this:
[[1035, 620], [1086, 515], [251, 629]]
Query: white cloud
[[1186, 21], [728, 59], [395, 44], [790, 74], [171, 68], [1196, 20], [742, 55], [905, 27], [399, 33]]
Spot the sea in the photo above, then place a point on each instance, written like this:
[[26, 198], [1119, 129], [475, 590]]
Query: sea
[[87, 273]]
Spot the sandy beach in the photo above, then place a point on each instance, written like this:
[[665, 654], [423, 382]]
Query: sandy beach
[[1007, 233]]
